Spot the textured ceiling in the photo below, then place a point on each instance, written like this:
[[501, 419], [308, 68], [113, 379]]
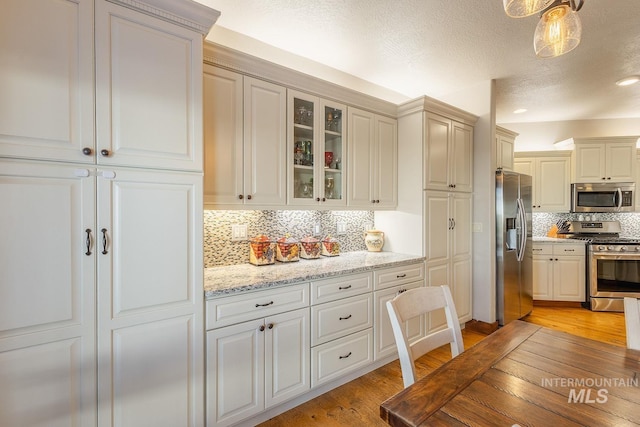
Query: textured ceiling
[[437, 47]]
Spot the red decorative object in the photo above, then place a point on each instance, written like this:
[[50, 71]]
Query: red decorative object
[[328, 158]]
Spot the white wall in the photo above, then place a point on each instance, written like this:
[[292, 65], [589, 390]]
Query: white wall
[[541, 136], [480, 100], [404, 227]]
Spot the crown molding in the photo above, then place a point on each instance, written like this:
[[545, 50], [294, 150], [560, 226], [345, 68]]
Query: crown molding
[[547, 153], [243, 63], [425, 103], [186, 13], [506, 131]]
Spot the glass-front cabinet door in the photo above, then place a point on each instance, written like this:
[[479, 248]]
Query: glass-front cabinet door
[[316, 151]]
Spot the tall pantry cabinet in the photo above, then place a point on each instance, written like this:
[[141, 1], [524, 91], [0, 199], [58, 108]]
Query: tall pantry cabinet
[[101, 318], [444, 135]]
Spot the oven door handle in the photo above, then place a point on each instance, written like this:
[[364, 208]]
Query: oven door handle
[[619, 194]]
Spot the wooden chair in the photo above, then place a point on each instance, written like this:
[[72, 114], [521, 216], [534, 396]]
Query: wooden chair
[[632, 322], [413, 303]]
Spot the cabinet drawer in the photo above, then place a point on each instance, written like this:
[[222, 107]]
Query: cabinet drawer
[[394, 276], [254, 305], [336, 319], [340, 287], [566, 249], [337, 358], [538, 249]]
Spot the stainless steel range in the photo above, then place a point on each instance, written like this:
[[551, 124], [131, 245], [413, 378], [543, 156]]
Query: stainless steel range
[[613, 264]]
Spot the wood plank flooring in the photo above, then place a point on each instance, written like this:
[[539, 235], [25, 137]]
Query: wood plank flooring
[[357, 403]]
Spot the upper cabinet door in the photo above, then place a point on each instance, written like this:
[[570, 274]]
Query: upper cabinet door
[[149, 91], [46, 80], [361, 130], [436, 152], [620, 161], [223, 143], [265, 143], [461, 176], [386, 185]]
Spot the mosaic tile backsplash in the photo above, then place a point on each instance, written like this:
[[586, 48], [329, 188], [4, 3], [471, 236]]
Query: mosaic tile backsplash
[[219, 250], [629, 222]]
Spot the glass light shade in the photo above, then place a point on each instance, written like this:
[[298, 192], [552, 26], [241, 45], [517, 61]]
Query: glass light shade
[[522, 8], [557, 32]]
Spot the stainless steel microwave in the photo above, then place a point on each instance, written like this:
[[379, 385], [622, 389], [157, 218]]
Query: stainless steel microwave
[[603, 197]]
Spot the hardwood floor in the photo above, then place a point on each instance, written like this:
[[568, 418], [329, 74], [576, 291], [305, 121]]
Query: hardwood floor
[[357, 403]]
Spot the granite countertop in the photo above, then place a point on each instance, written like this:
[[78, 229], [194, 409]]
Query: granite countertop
[[228, 280], [557, 240]]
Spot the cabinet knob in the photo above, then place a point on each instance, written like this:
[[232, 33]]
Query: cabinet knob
[[249, 197], [317, 199], [604, 177], [105, 153], [87, 151], [240, 196], [550, 259], [324, 199], [261, 328], [270, 326], [609, 177]]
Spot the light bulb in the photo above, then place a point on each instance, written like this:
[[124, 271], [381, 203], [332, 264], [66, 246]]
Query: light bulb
[[557, 32]]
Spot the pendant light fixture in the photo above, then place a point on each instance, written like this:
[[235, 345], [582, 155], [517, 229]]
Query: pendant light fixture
[[522, 8], [559, 28]]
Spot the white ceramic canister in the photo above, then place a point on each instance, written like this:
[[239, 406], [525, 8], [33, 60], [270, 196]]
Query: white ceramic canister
[[374, 239]]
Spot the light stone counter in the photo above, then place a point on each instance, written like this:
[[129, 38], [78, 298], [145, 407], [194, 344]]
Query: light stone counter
[[557, 240], [228, 280]]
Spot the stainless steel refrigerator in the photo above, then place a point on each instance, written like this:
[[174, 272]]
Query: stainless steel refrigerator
[[514, 269]]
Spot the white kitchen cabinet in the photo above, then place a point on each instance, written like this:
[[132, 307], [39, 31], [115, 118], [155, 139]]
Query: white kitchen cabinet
[[448, 154], [316, 151], [46, 83], [559, 272], [637, 180], [150, 314], [47, 307], [147, 107], [605, 159], [114, 310], [255, 365], [390, 282], [551, 173], [505, 141], [341, 326], [372, 160], [245, 140], [448, 248]]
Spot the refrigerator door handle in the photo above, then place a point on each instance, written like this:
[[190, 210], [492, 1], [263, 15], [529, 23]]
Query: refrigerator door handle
[[523, 229]]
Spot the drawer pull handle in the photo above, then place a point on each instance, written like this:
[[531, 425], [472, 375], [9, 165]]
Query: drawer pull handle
[[401, 291], [342, 288], [264, 305], [400, 276], [344, 357], [345, 318], [569, 250]]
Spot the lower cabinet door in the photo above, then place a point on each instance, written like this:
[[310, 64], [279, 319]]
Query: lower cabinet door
[[384, 341], [287, 356], [235, 373]]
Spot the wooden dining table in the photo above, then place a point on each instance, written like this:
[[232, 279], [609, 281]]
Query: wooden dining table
[[527, 375]]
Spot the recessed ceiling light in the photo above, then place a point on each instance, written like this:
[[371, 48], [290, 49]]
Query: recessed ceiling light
[[520, 111], [628, 81]]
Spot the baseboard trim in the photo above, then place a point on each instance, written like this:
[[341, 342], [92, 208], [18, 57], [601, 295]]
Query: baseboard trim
[[482, 327]]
